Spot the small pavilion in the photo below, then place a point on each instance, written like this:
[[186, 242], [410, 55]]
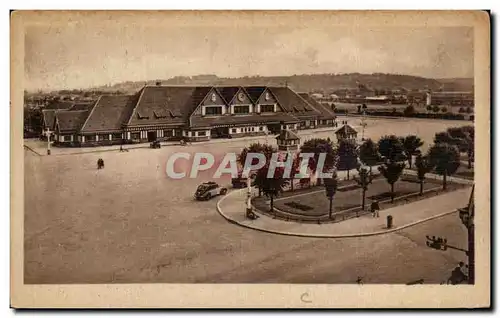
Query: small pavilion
[[346, 132], [288, 141]]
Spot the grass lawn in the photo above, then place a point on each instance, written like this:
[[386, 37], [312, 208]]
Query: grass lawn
[[464, 172], [313, 205]]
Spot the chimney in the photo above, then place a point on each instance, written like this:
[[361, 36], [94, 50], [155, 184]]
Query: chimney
[[158, 83]]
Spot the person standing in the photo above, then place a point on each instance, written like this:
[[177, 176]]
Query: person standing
[[375, 209]]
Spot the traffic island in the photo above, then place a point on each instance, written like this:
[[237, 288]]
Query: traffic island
[[233, 208], [313, 206]]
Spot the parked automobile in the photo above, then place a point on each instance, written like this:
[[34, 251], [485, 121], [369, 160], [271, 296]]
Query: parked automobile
[[240, 182], [208, 190], [155, 144]]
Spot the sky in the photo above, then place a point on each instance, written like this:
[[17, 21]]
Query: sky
[[79, 55]]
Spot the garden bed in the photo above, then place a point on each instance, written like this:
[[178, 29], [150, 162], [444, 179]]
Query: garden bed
[[348, 204]]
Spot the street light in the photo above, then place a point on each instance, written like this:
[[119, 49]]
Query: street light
[[48, 133], [363, 125], [466, 214], [249, 213]]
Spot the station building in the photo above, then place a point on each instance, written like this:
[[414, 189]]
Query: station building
[[199, 113]]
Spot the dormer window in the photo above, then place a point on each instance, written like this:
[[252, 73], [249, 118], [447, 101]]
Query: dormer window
[[142, 116], [266, 108], [241, 109], [159, 115], [213, 110]]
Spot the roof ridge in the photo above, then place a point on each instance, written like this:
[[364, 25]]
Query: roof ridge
[[275, 97], [90, 113], [136, 104], [220, 94], [307, 103], [204, 97], [263, 91], [240, 88]]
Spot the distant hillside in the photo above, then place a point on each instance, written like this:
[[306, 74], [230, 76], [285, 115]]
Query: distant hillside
[[311, 83], [457, 84]]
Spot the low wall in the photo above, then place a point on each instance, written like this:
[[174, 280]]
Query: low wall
[[339, 216]]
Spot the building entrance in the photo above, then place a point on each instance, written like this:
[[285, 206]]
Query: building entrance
[[219, 132], [151, 136]]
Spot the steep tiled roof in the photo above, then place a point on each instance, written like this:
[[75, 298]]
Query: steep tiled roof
[[326, 113], [290, 100], [109, 113], [228, 92], [287, 135], [60, 105], [49, 118], [71, 120], [81, 106], [166, 104], [197, 97], [199, 122], [254, 92], [346, 130]]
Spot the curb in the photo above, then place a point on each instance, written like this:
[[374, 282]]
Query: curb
[[219, 210], [31, 149]]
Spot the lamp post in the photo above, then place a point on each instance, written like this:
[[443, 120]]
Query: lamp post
[[249, 213], [363, 125], [467, 216], [48, 133]]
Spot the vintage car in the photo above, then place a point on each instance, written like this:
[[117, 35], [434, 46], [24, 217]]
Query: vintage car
[[208, 190], [155, 144], [240, 182]]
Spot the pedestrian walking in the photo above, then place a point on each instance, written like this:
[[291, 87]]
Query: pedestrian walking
[[374, 208]]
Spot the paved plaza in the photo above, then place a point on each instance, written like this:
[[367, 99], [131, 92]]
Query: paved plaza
[[129, 223]]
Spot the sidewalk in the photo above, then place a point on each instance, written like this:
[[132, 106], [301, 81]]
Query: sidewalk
[[440, 178], [232, 208], [40, 147]]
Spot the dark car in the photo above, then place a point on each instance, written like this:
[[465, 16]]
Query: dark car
[[240, 182], [155, 144], [208, 190]]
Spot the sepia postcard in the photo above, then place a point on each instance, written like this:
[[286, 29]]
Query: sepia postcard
[[250, 159]]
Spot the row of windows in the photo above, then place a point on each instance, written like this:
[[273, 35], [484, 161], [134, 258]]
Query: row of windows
[[213, 110], [240, 109], [114, 136], [246, 129], [266, 108]]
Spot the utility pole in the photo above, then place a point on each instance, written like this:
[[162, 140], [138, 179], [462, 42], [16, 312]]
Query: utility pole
[[249, 194], [363, 125], [48, 133], [467, 216]]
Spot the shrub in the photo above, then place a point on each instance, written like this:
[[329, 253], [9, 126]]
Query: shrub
[[429, 108], [468, 110], [461, 110], [435, 109], [444, 109]]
